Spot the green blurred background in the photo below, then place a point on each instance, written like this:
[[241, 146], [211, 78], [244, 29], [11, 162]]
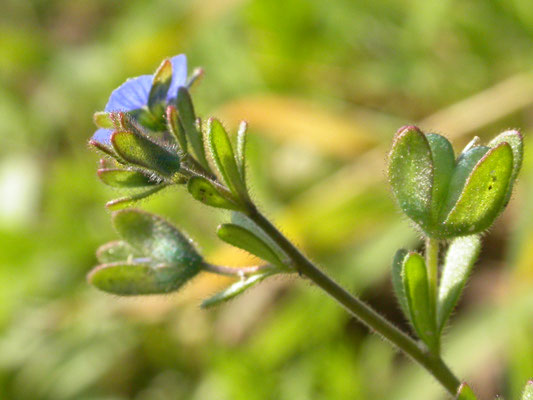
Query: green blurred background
[[324, 85]]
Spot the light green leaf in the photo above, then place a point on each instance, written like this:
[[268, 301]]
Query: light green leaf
[[154, 236], [397, 281], [411, 173], [460, 257], [115, 251], [465, 393], [103, 119], [160, 86], [416, 287], [176, 128], [137, 149], [240, 154], [224, 158], [515, 140], [483, 196], [235, 289], [188, 120], [528, 391], [203, 190], [128, 201], [129, 279], [244, 239], [443, 166], [123, 178]]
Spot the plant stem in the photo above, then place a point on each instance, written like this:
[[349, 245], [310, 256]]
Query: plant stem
[[432, 266], [234, 271], [358, 308]]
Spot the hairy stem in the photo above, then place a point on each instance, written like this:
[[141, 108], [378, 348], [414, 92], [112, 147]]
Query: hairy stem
[[433, 364], [432, 266]]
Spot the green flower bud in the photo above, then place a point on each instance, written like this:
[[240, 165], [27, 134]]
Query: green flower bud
[[447, 197]]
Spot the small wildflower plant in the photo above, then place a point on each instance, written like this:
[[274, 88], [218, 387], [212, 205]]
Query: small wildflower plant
[[151, 138]]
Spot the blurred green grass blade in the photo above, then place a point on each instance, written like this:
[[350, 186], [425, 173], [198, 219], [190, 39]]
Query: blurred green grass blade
[[141, 151], [224, 158], [154, 236], [397, 281], [131, 200], [123, 178], [188, 120], [204, 191], [460, 257], [160, 86], [246, 240], [484, 193], [465, 393], [235, 289], [416, 289], [115, 251]]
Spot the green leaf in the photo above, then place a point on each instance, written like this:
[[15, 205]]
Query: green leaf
[[416, 287], [483, 196], [103, 119], [123, 178], [465, 393], [515, 140], [240, 154], [411, 173], [128, 201], [154, 236], [205, 191], [397, 281], [160, 85], [460, 257], [129, 279], [528, 391], [115, 251], [176, 128], [235, 289], [139, 150], [188, 120], [244, 239], [224, 158], [443, 167]]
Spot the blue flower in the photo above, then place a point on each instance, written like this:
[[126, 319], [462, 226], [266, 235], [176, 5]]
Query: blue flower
[[133, 94]]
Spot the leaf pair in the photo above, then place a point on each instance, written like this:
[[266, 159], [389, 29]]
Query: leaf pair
[[153, 257], [448, 197], [410, 282]]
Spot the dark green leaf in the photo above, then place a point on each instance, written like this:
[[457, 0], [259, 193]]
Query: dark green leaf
[[224, 158], [139, 150], [123, 178], [416, 287], [176, 128], [129, 279], [443, 166], [235, 289], [153, 235], [160, 86], [244, 239], [460, 257], [411, 173], [188, 120], [203, 190], [483, 196]]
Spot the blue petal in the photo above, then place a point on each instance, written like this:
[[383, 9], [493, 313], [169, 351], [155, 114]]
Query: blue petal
[[131, 95], [179, 75], [103, 136]]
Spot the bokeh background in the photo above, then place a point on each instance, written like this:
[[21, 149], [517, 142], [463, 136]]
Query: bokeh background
[[324, 85]]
